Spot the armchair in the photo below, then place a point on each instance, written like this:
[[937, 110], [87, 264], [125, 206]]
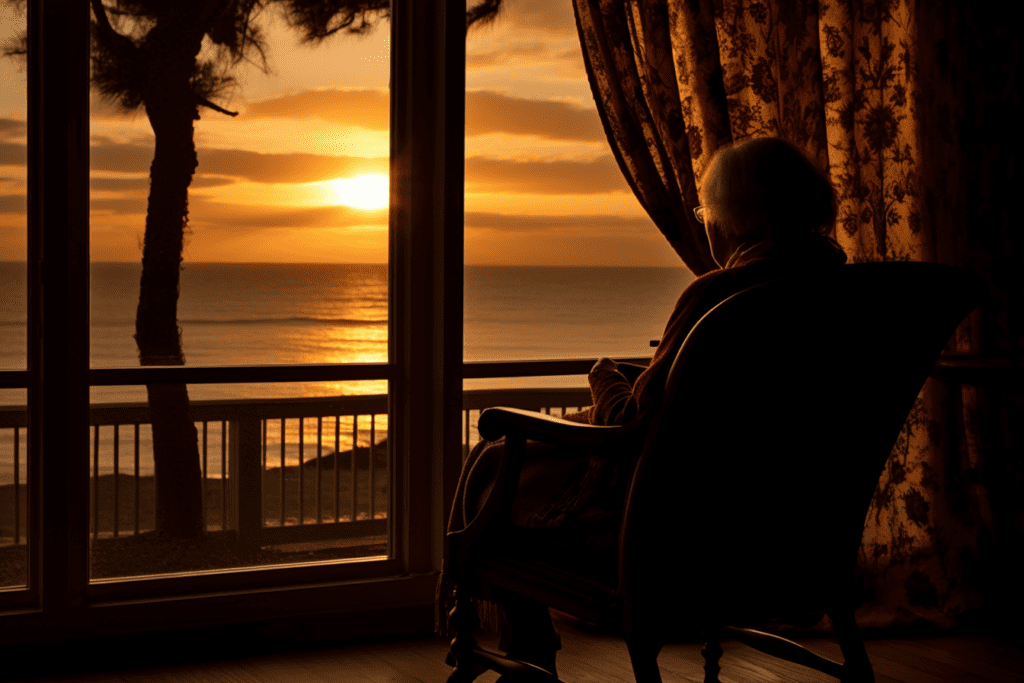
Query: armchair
[[749, 488]]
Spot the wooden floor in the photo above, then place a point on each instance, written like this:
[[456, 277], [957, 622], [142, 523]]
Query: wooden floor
[[586, 658]]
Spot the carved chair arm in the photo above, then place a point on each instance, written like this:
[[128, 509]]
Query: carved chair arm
[[511, 422]]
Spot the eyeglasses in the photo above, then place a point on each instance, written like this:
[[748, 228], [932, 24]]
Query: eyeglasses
[[700, 212]]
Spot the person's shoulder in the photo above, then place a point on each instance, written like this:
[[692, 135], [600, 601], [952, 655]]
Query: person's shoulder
[[700, 285]]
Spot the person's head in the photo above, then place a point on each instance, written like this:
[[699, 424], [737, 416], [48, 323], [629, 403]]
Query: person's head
[[763, 188]]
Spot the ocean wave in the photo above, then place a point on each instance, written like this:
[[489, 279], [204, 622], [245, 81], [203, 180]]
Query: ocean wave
[[284, 320]]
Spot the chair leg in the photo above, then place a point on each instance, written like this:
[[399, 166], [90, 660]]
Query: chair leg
[[643, 655], [712, 652], [856, 665], [463, 621], [528, 632]]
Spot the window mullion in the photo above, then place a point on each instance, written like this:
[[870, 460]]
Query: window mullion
[[428, 94], [58, 392]]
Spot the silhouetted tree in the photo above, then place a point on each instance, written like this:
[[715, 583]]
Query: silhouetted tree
[[146, 53]]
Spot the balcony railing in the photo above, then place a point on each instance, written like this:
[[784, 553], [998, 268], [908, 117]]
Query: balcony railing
[[274, 471]]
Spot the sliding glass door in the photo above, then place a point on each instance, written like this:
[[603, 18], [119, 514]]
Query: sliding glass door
[[239, 376]]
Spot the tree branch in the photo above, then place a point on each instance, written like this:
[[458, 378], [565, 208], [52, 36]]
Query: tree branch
[[17, 46], [103, 21], [207, 103], [484, 12]]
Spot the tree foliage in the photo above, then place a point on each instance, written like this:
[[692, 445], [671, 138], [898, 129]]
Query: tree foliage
[[129, 37], [131, 41], [319, 19]]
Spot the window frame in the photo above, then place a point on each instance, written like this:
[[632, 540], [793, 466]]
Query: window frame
[[424, 366]]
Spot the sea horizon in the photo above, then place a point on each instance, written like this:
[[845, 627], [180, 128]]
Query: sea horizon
[[234, 314], [243, 314]]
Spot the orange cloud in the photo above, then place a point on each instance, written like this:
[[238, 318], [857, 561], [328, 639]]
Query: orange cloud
[[245, 217], [132, 184], [486, 112], [492, 112], [483, 174], [120, 157], [521, 54], [12, 154], [286, 168], [601, 175], [13, 203], [363, 108], [123, 206], [141, 183], [134, 157], [619, 225], [10, 128], [255, 166]]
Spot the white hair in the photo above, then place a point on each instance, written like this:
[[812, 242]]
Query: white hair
[[766, 185]]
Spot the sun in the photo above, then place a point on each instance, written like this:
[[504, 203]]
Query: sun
[[361, 192]]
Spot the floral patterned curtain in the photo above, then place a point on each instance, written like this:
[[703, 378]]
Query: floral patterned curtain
[[907, 105]]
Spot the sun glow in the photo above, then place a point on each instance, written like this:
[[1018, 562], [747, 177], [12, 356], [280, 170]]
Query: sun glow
[[361, 192]]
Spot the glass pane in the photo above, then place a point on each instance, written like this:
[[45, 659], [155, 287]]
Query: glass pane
[[252, 313], [298, 177], [280, 220], [562, 261], [276, 473], [14, 529]]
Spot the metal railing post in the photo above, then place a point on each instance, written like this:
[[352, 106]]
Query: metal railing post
[[246, 478]]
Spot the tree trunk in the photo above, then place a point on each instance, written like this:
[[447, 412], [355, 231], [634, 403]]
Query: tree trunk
[[170, 106]]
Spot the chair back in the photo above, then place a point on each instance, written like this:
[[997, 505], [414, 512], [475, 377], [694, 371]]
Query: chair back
[[749, 497]]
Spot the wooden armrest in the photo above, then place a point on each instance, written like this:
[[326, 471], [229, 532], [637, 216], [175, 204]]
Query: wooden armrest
[[498, 422]]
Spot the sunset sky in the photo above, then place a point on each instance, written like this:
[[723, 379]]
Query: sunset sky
[[299, 175]]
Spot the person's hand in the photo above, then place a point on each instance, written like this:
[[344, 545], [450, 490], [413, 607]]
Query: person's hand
[[604, 364]]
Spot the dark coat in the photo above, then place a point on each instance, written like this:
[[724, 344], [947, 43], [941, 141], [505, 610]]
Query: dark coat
[[582, 488]]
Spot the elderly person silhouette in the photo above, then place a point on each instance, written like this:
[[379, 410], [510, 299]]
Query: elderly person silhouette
[[767, 210]]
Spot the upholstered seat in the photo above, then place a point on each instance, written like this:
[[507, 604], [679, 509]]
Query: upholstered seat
[[748, 497]]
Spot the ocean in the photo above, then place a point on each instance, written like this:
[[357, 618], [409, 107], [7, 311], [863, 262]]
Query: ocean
[[247, 314]]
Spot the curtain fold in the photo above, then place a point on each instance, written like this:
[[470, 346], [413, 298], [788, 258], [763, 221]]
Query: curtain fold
[[908, 106], [647, 137]]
